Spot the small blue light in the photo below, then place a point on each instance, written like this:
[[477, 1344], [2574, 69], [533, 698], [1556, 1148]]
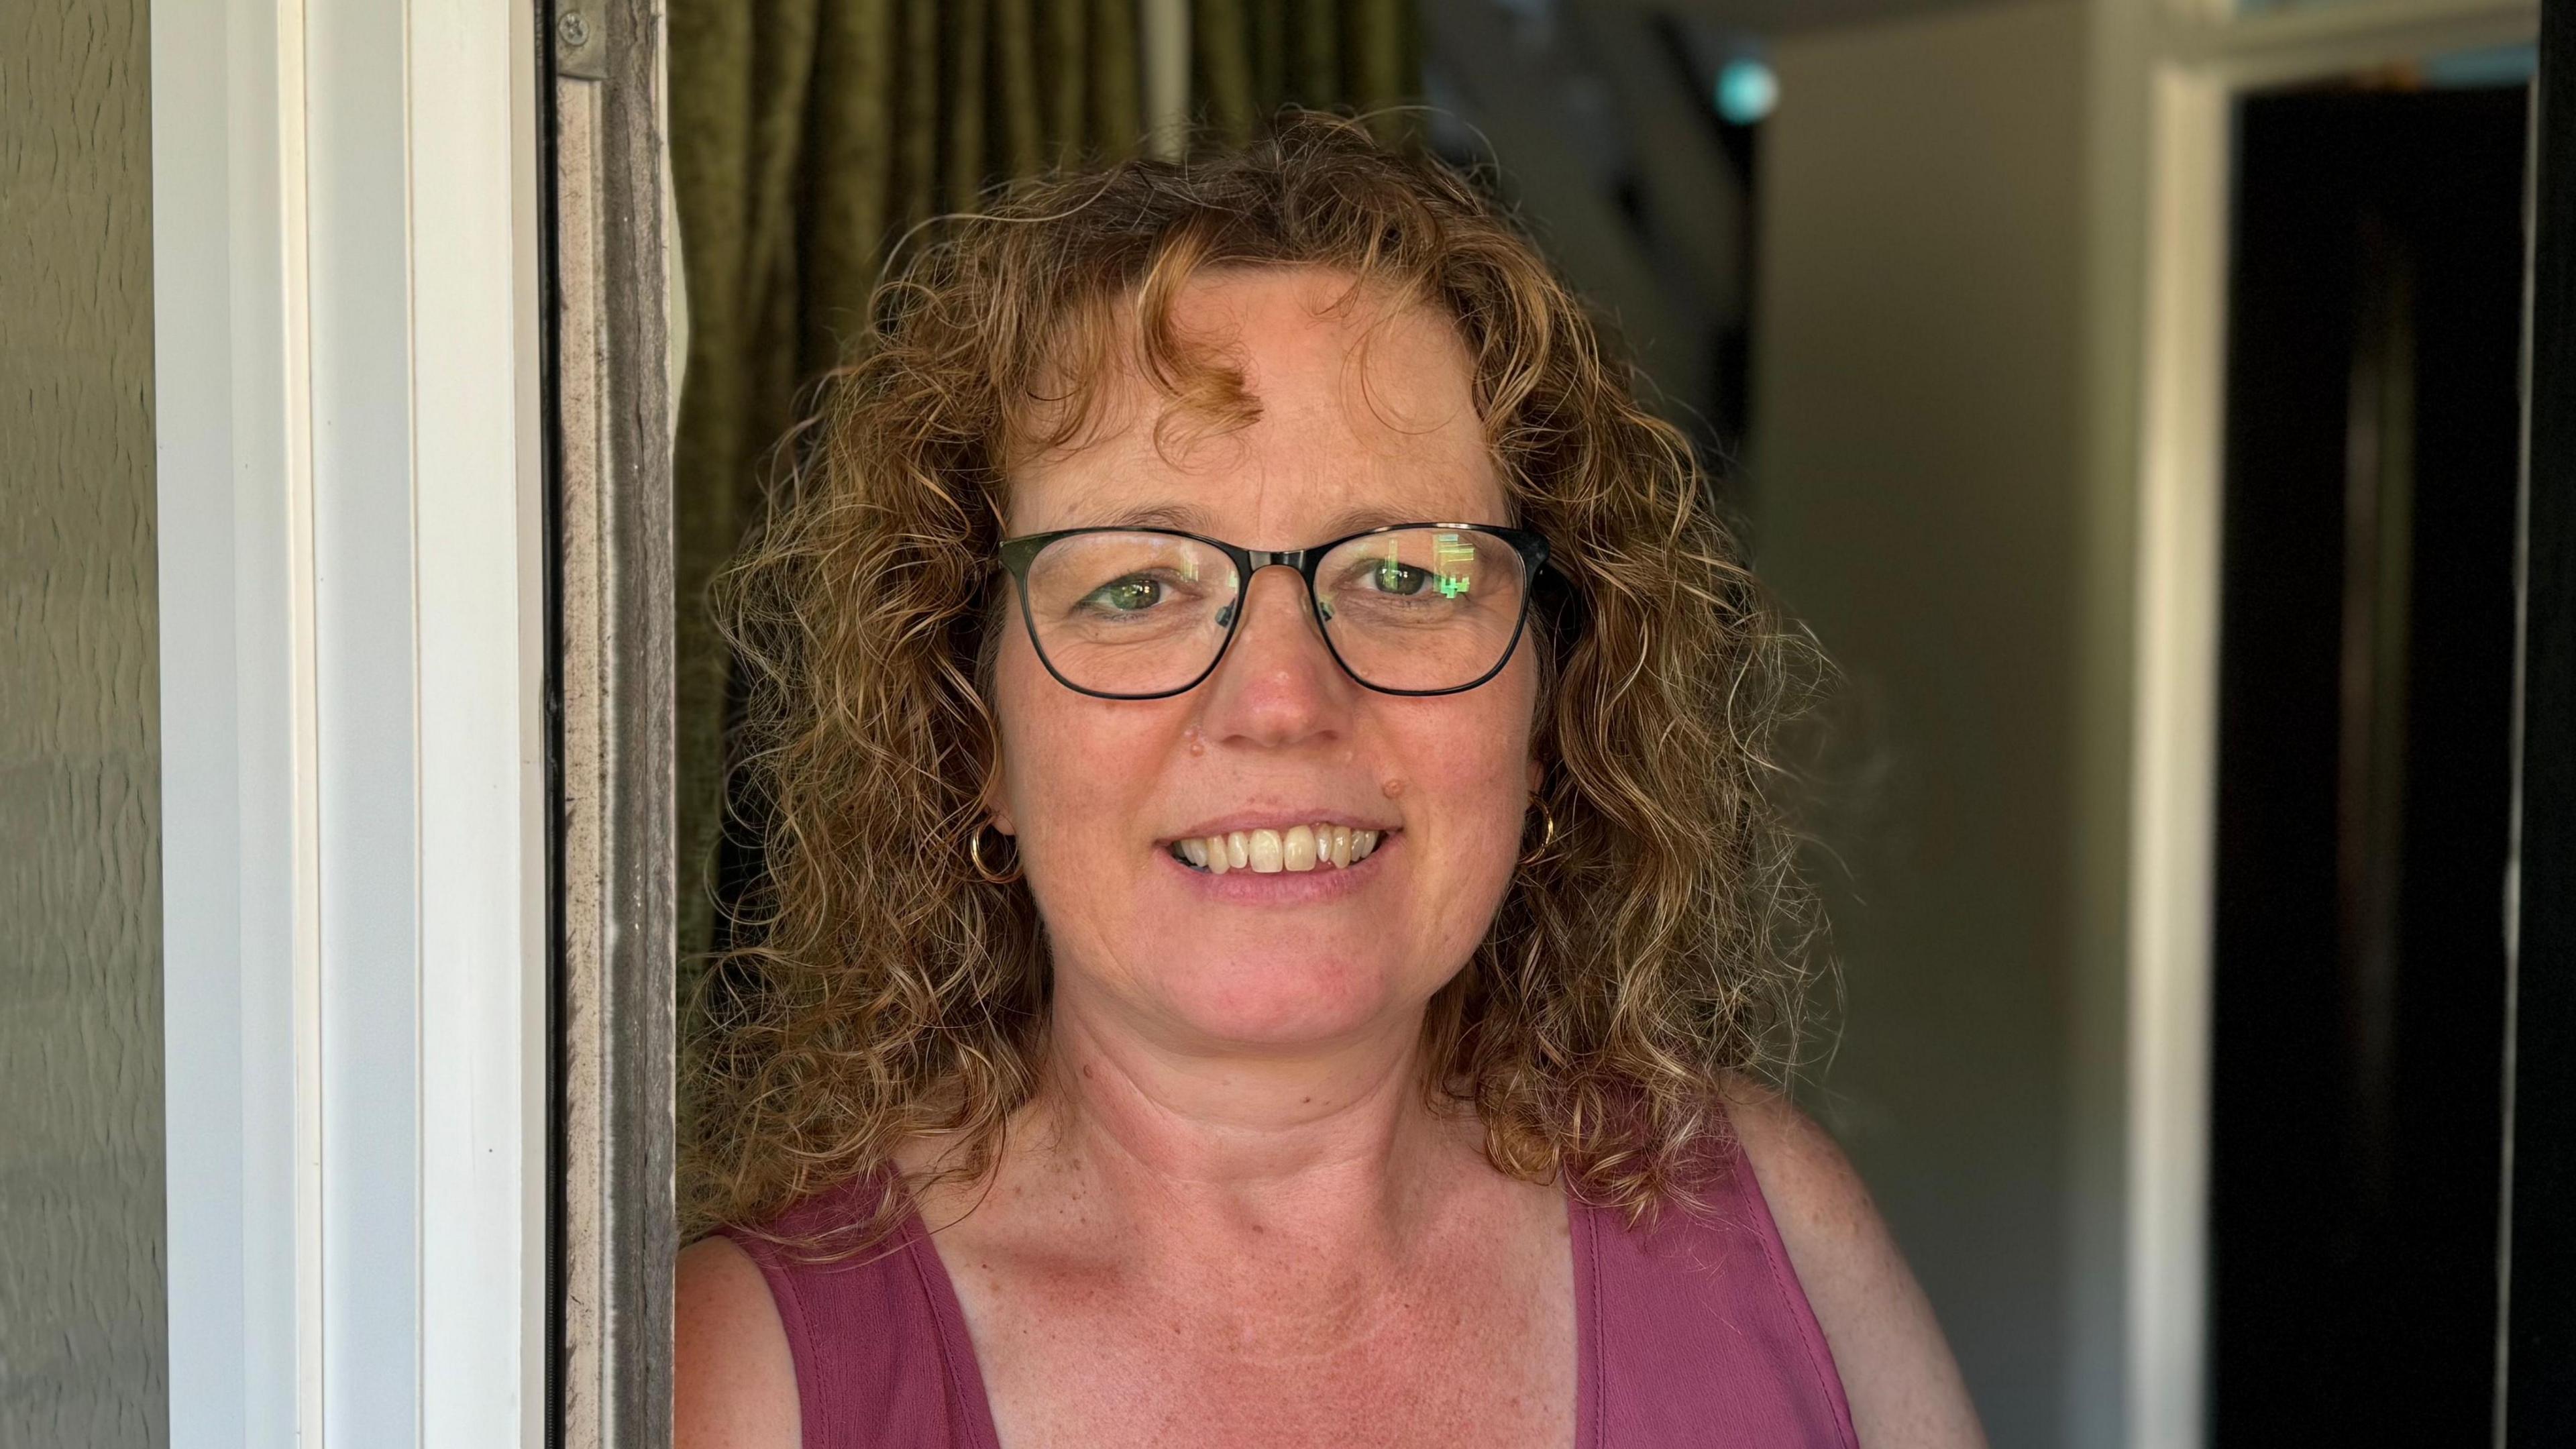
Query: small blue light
[[1746, 91]]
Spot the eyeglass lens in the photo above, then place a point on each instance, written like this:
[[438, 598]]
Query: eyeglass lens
[[1147, 613]]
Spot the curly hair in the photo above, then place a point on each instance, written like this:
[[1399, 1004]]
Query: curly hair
[[879, 990]]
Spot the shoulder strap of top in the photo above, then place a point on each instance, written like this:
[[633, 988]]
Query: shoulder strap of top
[[880, 1344], [1699, 1332]]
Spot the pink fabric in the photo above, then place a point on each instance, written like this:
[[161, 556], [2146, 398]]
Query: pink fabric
[[1692, 1331]]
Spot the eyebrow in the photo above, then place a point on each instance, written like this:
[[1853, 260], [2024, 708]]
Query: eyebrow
[[1179, 516], [1361, 520], [1189, 519]]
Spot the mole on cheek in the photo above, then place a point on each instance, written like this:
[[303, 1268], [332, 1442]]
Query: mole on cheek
[[1392, 788]]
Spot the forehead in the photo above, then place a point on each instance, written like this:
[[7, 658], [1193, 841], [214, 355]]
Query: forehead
[[1363, 413]]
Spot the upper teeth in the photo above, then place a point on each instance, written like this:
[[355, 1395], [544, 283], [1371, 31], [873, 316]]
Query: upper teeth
[[1299, 847]]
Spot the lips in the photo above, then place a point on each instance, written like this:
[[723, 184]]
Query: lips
[[1270, 849]]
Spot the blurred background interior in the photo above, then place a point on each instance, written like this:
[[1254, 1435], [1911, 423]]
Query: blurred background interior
[[1858, 248]]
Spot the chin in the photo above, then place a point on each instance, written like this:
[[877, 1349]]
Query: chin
[[1274, 998]]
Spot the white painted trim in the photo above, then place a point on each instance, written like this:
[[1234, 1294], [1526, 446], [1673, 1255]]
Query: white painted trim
[[2167, 74], [240, 903], [478, 499], [359, 222], [2174, 730], [353, 794]]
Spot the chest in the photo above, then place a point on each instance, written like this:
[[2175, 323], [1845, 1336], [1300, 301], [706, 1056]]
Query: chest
[[1466, 1348]]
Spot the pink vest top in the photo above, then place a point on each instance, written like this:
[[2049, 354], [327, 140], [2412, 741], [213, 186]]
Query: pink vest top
[[1692, 1331]]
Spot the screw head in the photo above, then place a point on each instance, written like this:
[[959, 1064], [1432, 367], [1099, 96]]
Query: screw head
[[573, 29]]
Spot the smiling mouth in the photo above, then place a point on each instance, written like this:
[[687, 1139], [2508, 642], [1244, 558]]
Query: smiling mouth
[[1268, 852]]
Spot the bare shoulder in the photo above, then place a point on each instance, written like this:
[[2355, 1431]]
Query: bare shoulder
[[734, 1378], [1896, 1368]]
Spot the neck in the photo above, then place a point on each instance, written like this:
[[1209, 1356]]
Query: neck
[[1332, 1141]]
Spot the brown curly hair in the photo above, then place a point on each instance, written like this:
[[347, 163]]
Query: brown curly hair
[[880, 991]]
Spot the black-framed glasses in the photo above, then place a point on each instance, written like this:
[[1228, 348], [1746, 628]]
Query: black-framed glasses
[[1145, 613]]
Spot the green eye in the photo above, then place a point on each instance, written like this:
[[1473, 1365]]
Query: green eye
[[1126, 596], [1398, 578]]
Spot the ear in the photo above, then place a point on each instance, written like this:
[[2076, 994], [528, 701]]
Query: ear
[[1537, 774]]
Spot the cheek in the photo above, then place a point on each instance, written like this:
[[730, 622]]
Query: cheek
[[1040, 722], [1073, 768], [1473, 760], [1487, 742]]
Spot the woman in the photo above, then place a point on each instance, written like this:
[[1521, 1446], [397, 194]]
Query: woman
[[1277, 905]]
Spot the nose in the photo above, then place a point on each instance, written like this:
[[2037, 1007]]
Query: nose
[[1278, 684]]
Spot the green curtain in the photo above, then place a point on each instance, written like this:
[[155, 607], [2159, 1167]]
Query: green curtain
[[808, 135]]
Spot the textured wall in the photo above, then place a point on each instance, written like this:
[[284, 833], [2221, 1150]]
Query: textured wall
[[1917, 440], [81, 1338]]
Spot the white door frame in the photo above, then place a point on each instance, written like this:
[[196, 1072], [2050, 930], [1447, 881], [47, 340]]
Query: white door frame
[[354, 801], [2165, 76]]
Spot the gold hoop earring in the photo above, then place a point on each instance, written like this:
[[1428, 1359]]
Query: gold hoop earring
[[975, 853], [1547, 830]]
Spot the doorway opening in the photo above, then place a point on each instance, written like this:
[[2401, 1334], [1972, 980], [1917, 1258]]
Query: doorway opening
[[2366, 665]]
